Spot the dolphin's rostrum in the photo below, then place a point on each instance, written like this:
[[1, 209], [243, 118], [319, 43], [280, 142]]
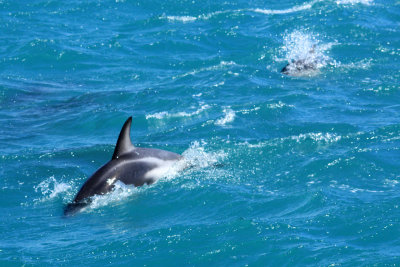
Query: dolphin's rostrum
[[130, 165]]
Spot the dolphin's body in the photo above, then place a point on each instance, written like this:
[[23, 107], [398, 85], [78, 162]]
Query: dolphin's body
[[299, 68], [130, 165], [305, 65]]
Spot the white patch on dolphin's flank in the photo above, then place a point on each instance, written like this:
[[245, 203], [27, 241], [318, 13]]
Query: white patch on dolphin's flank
[[164, 168], [196, 155], [110, 181]]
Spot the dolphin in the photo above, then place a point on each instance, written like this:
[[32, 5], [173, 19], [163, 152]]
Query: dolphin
[[299, 68], [305, 66], [129, 164]]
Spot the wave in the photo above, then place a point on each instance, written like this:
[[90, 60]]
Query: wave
[[186, 19], [318, 137], [165, 114], [278, 105], [353, 190], [119, 193], [285, 11], [219, 66], [181, 18], [354, 2]]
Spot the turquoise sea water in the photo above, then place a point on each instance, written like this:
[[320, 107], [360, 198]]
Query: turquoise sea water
[[308, 166]]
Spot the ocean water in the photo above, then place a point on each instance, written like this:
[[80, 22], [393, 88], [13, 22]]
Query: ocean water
[[300, 170]]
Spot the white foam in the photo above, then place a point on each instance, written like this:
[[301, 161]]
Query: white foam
[[181, 18], [158, 115], [318, 137], [229, 117], [219, 84], [186, 19], [258, 145], [219, 66], [120, 192], [166, 114], [248, 111], [362, 64], [50, 188], [197, 156], [354, 190], [391, 182], [354, 2], [279, 104], [305, 6], [307, 48]]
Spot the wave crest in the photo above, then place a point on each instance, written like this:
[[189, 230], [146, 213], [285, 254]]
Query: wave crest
[[50, 188]]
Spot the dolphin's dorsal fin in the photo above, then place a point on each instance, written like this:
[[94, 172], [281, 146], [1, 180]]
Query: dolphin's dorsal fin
[[124, 143]]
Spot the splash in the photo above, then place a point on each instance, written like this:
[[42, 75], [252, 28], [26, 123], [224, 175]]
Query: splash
[[229, 117], [318, 138], [50, 188], [119, 193], [364, 64], [305, 54], [187, 19], [197, 156]]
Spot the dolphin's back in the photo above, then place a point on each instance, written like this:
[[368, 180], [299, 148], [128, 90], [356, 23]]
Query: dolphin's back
[[130, 165]]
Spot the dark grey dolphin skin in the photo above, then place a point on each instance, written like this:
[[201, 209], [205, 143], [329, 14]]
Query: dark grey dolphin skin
[[298, 66], [130, 165]]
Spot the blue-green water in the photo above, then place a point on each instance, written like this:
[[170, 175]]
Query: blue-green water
[[309, 166]]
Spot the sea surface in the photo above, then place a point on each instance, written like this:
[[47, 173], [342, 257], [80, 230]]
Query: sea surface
[[289, 170]]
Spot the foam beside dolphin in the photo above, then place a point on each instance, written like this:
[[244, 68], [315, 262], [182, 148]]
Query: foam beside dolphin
[[129, 164]]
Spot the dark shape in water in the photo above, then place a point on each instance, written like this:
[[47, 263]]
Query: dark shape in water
[[130, 165], [303, 66], [298, 66]]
